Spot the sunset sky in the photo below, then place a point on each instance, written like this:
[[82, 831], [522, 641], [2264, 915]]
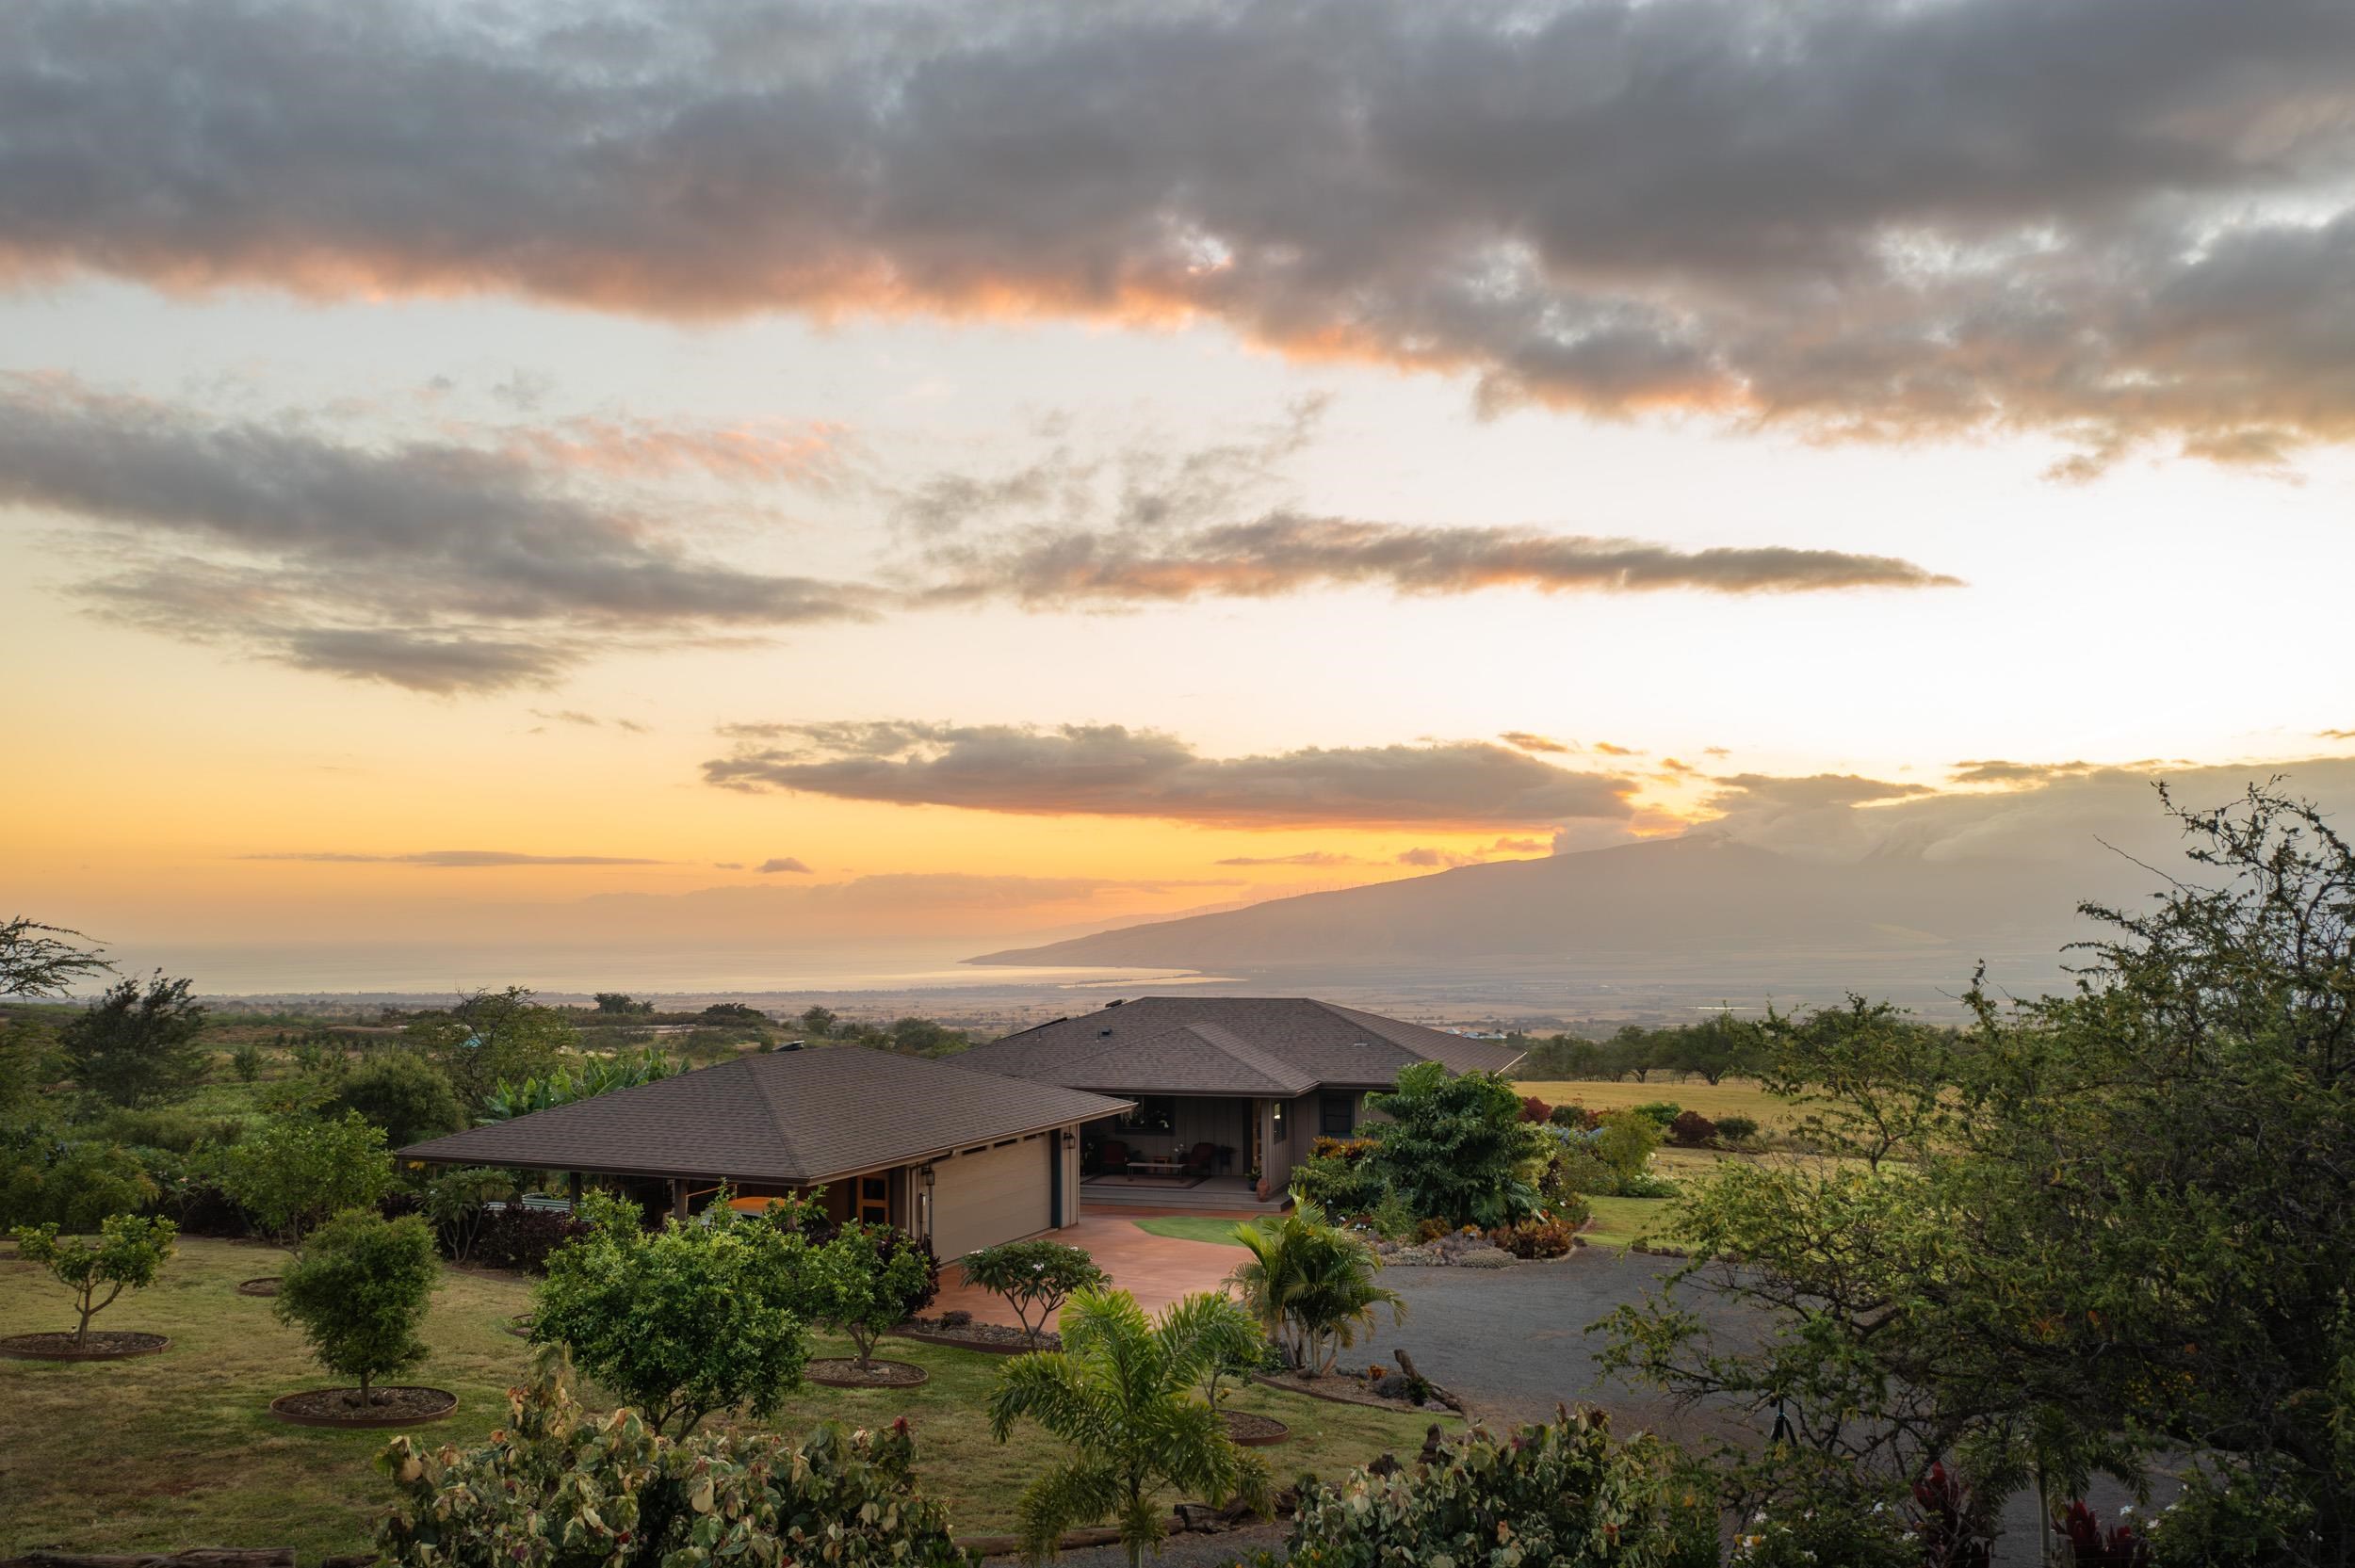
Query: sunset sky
[[999, 468]]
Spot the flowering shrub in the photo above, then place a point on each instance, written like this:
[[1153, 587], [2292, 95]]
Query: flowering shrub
[[558, 1487], [1035, 1277], [1533, 1238], [1536, 1110], [1564, 1492], [2091, 1546]]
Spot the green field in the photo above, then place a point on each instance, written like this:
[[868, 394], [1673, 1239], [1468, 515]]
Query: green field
[[1194, 1227], [1733, 1096], [178, 1451], [1622, 1222]]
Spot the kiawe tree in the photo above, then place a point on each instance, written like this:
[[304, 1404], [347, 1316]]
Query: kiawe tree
[[36, 961], [494, 1035], [139, 1046], [406, 1095]]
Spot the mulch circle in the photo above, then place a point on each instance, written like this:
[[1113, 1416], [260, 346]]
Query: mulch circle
[[995, 1338], [100, 1347], [844, 1373], [266, 1286], [1249, 1430], [397, 1405]]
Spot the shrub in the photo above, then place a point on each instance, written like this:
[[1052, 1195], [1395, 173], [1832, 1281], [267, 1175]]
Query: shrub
[[359, 1294], [246, 1061], [403, 1094], [1576, 1118], [1536, 1110], [167, 1128], [1534, 1239], [681, 1321], [457, 1202], [1663, 1112], [1339, 1175], [299, 1170], [1035, 1277], [557, 1487], [1737, 1128], [1625, 1142], [867, 1280], [1691, 1130], [127, 1255], [524, 1238], [73, 1186], [1562, 1492], [1455, 1147]]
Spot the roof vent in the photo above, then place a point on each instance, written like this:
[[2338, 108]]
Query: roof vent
[[1115, 1002], [1102, 1034], [791, 1045]]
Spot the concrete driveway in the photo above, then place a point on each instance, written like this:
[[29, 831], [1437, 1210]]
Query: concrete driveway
[[1156, 1269]]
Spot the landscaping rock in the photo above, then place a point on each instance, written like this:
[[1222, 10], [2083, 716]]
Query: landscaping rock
[[1491, 1258]]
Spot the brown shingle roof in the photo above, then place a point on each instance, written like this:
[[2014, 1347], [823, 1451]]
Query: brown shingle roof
[[788, 1117], [1258, 1045]]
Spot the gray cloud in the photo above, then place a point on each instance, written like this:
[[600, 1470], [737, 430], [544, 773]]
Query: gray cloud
[[781, 863], [1526, 741], [439, 566], [1306, 857], [1285, 553], [457, 860], [1109, 770], [1863, 221]]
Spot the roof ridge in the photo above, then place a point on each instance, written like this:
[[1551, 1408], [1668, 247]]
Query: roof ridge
[[1373, 1023], [1236, 1049], [776, 1113]]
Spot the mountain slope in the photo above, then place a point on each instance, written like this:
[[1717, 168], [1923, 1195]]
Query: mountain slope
[[1698, 898]]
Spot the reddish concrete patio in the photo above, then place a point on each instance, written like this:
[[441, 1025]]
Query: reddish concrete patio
[[1156, 1269]]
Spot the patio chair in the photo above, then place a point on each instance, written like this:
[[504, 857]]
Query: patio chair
[[1113, 1157], [1202, 1160]]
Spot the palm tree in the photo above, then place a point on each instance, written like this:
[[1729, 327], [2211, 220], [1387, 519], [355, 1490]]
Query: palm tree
[[1311, 1286], [1121, 1391]]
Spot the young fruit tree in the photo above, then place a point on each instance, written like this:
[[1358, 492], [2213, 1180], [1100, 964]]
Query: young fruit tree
[[360, 1292], [298, 1170], [1035, 1277], [868, 1280], [127, 1255], [685, 1320], [1122, 1393]]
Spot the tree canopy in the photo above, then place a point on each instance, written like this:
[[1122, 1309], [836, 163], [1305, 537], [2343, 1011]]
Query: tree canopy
[[2097, 1228], [139, 1046], [359, 1293], [129, 1254], [296, 1171], [1456, 1148], [36, 961]]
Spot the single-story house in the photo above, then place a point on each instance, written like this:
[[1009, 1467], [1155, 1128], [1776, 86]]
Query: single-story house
[[1221, 1087], [965, 1158]]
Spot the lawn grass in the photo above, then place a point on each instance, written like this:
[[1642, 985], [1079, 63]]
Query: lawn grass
[[1734, 1096], [178, 1451], [1623, 1222], [1194, 1228]]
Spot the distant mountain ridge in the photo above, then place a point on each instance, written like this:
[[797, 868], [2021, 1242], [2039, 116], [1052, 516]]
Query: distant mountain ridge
[[1699, 899]]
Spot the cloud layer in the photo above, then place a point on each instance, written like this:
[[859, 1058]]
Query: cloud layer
[[441, 566], [1109, 770], [451, 860], [1869, 221]]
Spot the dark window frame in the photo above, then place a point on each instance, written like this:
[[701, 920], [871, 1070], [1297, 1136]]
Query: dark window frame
[[1280, 1129], [1347, 1106]]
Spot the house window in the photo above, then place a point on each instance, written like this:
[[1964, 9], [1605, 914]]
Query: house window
[[874, 1200], [1154, 1113], [1279, 1125], [1336, 1115]]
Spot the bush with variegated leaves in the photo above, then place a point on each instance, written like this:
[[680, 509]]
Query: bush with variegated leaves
[[1559, 1495], [563, 1487]]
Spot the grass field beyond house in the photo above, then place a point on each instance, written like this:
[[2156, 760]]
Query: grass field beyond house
[[179, 1450], [1734, 1096]]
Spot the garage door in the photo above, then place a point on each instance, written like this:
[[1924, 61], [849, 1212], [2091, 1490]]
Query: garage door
[[995, 1195]]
